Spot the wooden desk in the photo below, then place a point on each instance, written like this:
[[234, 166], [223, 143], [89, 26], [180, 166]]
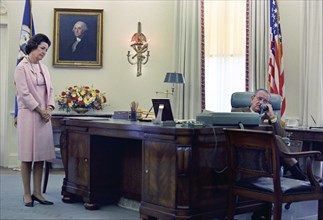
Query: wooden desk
[[176, 172], [312, 138]]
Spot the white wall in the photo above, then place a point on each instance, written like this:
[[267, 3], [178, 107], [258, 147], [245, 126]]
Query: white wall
[[117, 77]]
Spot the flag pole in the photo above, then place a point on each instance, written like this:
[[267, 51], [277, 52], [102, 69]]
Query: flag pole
[[276, 75], [26, 32]]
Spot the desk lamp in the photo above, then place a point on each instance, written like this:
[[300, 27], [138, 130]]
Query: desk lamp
[[177, 78]]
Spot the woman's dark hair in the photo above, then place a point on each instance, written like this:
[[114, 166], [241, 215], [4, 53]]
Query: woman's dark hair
[[35, 40]]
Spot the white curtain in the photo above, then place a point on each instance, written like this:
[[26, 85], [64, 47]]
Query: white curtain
[[225, 41], [223, 76], [259, 28], [187, 102], [311, 78], [225, 28]]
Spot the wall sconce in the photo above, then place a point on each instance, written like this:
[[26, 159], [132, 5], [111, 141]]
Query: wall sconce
[[177, 78], [139, 44]]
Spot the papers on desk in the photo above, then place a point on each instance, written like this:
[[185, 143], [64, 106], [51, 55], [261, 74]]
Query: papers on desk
[[292, 123], [88, 118]]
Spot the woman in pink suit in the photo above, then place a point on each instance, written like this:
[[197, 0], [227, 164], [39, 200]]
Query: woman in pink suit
[[35, 97]]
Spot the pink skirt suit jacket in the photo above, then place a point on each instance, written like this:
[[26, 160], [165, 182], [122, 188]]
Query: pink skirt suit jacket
[[35, 136]]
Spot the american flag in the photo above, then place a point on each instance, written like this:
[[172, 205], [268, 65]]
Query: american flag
[[276, 81], [26, 32]]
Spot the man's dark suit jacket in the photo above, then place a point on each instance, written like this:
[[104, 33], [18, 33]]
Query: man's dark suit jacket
[[278, 129]]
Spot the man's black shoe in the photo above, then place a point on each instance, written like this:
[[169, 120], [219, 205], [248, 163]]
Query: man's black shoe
[[296, 172]]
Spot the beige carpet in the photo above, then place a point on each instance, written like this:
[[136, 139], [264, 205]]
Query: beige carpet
[[11, 204]]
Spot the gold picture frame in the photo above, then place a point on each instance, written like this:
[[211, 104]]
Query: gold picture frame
[[87, 25]]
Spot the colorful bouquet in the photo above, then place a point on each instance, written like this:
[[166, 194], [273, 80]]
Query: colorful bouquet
[[81, 99]]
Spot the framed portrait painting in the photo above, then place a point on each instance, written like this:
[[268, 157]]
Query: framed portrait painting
[[78, 37]]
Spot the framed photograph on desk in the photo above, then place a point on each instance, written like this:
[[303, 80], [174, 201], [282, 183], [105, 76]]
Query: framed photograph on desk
[[167, 113], [78, 37]]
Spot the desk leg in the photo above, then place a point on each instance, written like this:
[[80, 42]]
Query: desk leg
[[91, 206], [63, 150], [146, 217], [71, 198], [67, 197]]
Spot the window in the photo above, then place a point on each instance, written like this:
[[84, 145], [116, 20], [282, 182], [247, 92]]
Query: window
[[225, 45]]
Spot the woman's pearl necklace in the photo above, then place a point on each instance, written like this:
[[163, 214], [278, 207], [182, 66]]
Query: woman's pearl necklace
[[29, 60], [32, 65]]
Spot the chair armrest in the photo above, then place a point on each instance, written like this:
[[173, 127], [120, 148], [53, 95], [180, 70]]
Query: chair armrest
[[313, 154], [310, 156], [309, 172]]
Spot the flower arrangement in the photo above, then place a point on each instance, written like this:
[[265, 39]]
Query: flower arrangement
[[81, 97]]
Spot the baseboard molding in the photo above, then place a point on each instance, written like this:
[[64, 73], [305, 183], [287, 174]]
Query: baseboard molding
[[13, 160]]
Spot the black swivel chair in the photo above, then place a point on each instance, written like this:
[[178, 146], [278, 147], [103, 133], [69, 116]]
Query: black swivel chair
[[243, 99]]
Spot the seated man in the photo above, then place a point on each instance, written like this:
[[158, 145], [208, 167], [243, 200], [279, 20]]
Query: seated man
[[262, 97]]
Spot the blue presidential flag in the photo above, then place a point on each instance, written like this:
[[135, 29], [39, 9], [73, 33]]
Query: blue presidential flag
[[26, 32]]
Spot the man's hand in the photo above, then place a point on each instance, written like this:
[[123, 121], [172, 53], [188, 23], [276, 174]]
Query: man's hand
[[270, 113]]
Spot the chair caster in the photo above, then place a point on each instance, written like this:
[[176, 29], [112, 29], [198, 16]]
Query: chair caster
[[287, 206]]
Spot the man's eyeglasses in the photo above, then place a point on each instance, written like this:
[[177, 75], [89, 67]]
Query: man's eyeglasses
[[265, 101]]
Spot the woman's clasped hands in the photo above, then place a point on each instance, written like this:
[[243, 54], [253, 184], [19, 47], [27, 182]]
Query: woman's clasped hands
[[46, 114]]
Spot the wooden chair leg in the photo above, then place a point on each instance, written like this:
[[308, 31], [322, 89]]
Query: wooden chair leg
[[263, 213], [320, 209], [277, 211], [46, 174], [231, 206]]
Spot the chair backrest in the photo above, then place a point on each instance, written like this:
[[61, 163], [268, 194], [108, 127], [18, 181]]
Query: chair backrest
[[243, 99], [253, 153]]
